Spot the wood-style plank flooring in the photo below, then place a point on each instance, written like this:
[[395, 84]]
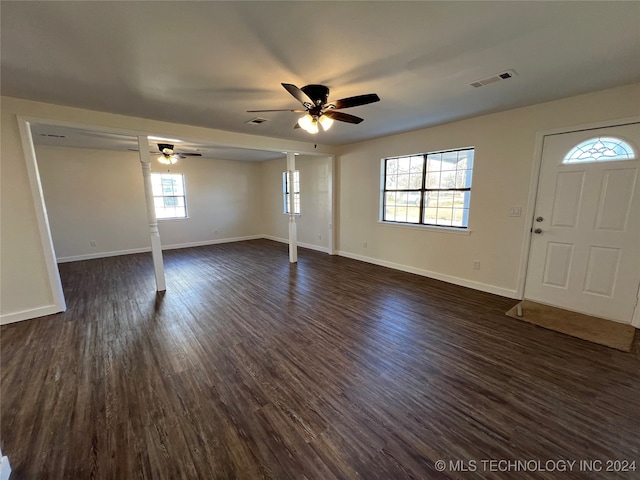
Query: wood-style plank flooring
[[249, 368]]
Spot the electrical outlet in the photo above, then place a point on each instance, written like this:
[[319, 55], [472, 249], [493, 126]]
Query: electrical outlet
[[476, 264], [93, 244], [364, 244], [319, 237]]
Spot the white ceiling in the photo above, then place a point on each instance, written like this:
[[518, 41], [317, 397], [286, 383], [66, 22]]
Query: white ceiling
[[206, 63]]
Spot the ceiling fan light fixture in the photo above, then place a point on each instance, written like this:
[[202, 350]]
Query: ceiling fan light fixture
[[308, 123], [168, 159], [314, 98], [314, 127], [325, 122]]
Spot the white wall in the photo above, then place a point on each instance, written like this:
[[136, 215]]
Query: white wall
[[312, 223], [24, 281], [274, 222], [93, 195], [99, 195], [504, 157]]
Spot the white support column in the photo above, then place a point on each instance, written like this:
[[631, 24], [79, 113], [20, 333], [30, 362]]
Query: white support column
[[331, 189], [156, 247], [293, 233], [5, 468]]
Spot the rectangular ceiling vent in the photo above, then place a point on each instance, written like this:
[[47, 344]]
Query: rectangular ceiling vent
[[494, 78], [257, 121]]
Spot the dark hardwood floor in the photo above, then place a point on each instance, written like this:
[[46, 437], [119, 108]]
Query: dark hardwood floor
[[251, 368]]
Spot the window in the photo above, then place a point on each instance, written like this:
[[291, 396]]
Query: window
[[296, 192], [600, 149], [169, 195], [428, 189]]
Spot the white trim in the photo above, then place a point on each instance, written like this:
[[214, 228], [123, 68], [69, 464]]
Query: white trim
[[331, 189], [533, 188], [154, 233], [92, 256], [483, 287], [262, 143], [46, 241], [5, 469], [635, 318], [175, 246], [293, 229], [529, 214], [173, 219], [29, 314], [428, 228], [203, 243], [303, 245], [593, 126]]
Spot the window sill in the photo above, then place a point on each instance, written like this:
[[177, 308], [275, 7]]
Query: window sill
[[430, 228], [172, 219]]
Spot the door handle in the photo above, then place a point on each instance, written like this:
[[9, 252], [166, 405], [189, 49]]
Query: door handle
[[538, 231]]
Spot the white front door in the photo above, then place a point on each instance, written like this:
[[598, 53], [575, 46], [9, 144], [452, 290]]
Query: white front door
[[585, 245]]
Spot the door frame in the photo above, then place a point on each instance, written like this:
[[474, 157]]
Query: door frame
[[42, 219], [533, 194]]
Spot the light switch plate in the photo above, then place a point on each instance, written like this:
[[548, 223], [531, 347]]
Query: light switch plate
[[515, 211]]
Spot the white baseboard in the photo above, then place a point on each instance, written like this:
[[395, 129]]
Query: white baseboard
[[483, 287], [92, 256], [211, 242], [310, 246], [117, 253], [29, 314]]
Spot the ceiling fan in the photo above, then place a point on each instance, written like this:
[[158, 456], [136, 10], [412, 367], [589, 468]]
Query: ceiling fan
[[319, 111], [167, 155]]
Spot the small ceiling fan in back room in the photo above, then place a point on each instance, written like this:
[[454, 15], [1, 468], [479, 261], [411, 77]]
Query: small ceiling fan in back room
[[319, 111], [167, 155]]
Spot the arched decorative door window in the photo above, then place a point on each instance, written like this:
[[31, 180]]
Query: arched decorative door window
[[600, 149]]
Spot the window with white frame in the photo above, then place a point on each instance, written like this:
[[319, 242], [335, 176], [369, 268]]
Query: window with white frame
[[428, 189], [286, 192], [169, 197]]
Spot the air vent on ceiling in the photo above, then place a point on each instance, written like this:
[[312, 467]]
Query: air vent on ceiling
[[494, 78], [257, 121]]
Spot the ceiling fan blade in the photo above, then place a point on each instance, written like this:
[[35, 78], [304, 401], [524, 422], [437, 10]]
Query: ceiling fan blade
[[299, 95], [355, 101], [282, 110], [343, 117], [297, 125], [187, 154]]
